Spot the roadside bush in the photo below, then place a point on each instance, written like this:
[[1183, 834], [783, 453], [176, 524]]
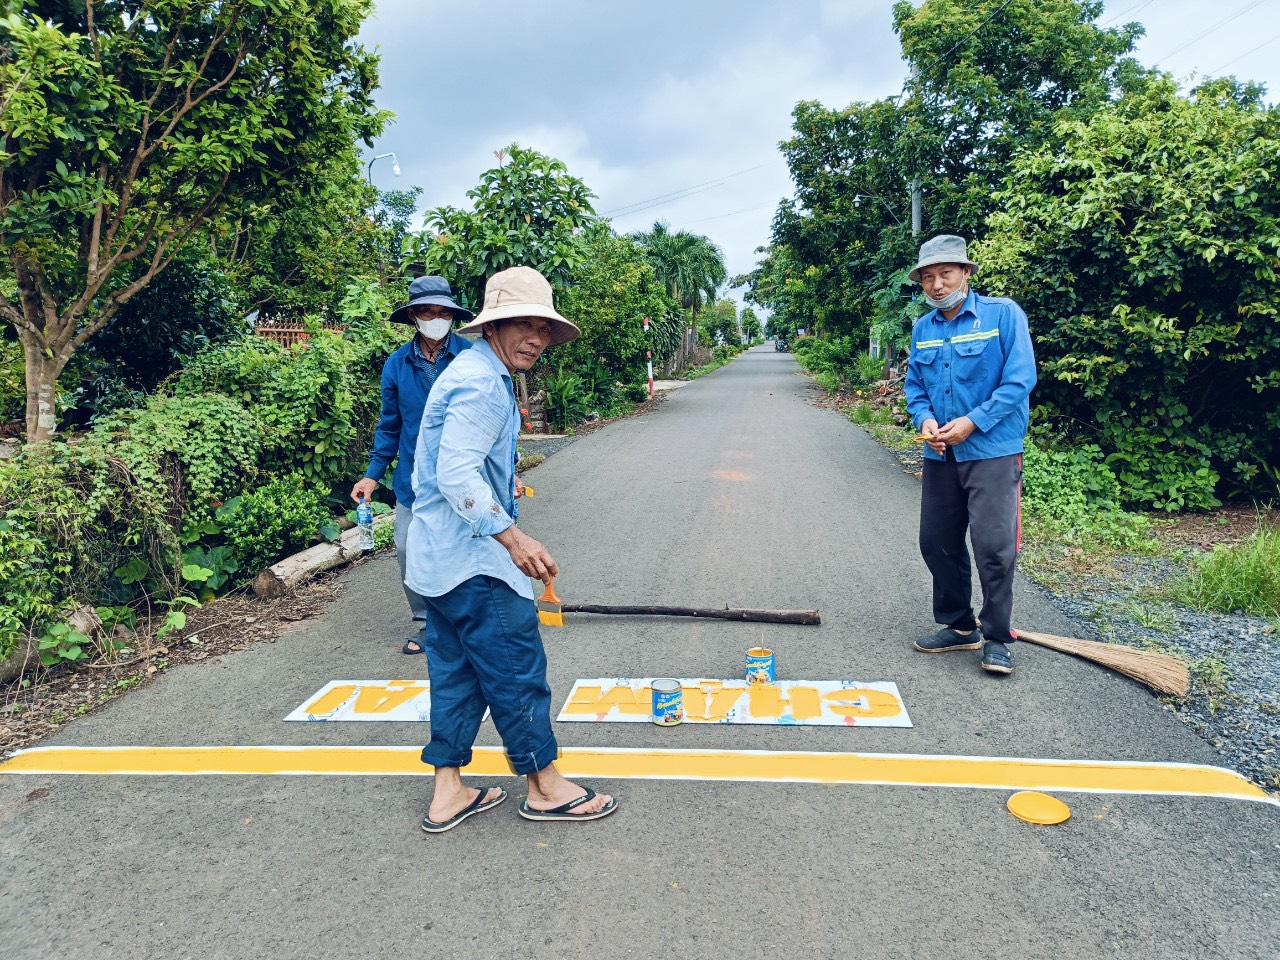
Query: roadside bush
[[566, 399], [1244, 576], [866, 370], [828, 380], [13, 383], [636, 392], [1143, 242], [271, 522], [1074, 495], [302, 397], [192, 451], [69, 516]]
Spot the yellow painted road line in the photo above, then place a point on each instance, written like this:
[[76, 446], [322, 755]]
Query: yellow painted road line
[[757, 766]]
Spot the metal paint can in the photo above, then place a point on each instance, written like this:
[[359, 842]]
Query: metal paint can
[[760, 665], [668, 703]]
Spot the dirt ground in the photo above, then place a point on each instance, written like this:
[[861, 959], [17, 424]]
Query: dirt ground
[[37, 704]]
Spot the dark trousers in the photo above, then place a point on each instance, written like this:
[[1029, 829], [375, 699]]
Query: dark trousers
[[484, 650], [984, 498]]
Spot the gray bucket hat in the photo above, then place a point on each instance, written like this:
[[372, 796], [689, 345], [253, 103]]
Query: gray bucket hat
[[944, 248], [429, 290], [522, 292]]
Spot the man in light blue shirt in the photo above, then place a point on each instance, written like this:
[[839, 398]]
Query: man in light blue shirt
[[470, 561]]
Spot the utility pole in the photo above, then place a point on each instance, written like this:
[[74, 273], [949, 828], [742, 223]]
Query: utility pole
[[916, 212]]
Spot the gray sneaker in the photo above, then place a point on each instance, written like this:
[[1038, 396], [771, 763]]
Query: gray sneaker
[[947, 639], [996, 658]]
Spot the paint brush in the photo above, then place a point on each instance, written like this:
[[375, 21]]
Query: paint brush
[[550, 613]]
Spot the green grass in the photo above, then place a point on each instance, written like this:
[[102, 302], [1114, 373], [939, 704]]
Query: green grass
[[1244, 576]]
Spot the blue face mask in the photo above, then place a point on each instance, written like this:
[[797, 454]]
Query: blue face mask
[[950, 301]]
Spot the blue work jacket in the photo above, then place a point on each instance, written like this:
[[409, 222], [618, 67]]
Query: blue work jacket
[[464, 479], [407, 378], [978, 365]]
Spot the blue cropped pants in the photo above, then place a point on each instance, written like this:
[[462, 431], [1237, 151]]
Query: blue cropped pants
[[484, 650]]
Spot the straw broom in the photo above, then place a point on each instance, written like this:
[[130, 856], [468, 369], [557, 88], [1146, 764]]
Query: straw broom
[[1159, 671]]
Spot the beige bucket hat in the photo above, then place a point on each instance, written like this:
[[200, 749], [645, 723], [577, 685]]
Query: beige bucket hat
[[521, 292]]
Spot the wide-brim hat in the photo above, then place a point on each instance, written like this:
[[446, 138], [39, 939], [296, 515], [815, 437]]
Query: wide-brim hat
[[522, 292], [429, 290], [944, 248]]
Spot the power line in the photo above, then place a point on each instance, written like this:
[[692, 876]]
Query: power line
[[721, 216], [1125, 12], [1222, 23], [1246, 53], [660, 199]]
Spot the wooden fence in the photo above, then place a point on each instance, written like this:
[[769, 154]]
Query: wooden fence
[[287, 334]]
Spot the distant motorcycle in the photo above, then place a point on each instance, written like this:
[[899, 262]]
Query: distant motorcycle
[[781, 346]]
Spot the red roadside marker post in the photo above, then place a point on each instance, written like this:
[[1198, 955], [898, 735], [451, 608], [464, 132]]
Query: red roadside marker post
[[648, 354]]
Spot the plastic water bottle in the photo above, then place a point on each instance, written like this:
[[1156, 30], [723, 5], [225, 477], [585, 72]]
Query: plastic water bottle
[[364, 520]]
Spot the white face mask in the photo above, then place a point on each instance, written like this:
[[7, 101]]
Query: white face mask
[[435, 328]]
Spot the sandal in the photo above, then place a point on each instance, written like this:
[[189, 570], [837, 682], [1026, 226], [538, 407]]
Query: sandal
[[478, 805], [564, 811]]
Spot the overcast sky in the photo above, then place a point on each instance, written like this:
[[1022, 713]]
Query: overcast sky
[[674, 110]]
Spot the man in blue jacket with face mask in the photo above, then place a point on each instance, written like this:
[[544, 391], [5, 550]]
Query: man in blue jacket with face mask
[[969, 378], [407, 378]]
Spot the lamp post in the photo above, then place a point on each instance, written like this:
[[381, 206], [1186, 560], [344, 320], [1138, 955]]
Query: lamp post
[[395, 165]]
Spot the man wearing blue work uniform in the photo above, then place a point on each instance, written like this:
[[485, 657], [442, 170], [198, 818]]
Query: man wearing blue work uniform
[[971, 370], [472, 563], [407, 378]]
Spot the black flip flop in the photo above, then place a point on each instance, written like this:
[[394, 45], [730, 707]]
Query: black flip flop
[[414, 641], [478, 805], [564, 811]]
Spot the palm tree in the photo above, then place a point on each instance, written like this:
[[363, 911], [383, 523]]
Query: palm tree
[[688, 265]]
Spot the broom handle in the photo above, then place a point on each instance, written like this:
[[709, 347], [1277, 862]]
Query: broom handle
[[805, 617]]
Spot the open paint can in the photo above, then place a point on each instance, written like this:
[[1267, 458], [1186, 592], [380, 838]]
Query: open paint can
[[760, 667], [668, 703]]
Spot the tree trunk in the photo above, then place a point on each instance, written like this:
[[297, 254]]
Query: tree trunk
[[42, 372]]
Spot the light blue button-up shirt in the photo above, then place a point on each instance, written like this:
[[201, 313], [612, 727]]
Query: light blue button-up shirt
[[464, 478]]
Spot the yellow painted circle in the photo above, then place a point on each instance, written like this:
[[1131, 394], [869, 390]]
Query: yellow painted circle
[[1038, 807]]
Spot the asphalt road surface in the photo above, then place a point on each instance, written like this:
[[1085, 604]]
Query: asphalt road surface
[[735, 492]]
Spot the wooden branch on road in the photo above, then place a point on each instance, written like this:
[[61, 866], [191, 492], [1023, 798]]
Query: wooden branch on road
[[805, 617]]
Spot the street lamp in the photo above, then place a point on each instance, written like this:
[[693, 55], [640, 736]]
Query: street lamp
[[395, 165], [859, 197]]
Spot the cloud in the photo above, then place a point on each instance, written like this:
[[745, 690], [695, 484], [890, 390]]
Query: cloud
[[643, 101]]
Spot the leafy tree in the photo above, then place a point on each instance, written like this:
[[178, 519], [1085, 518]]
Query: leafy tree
[[719, 324], [294, 255], [1144, 244], [127, 125], [779, 284], [525, 212], [989, 78], [752, 330], [613, 290], [689, 265], [187, 308], [394, 213]]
